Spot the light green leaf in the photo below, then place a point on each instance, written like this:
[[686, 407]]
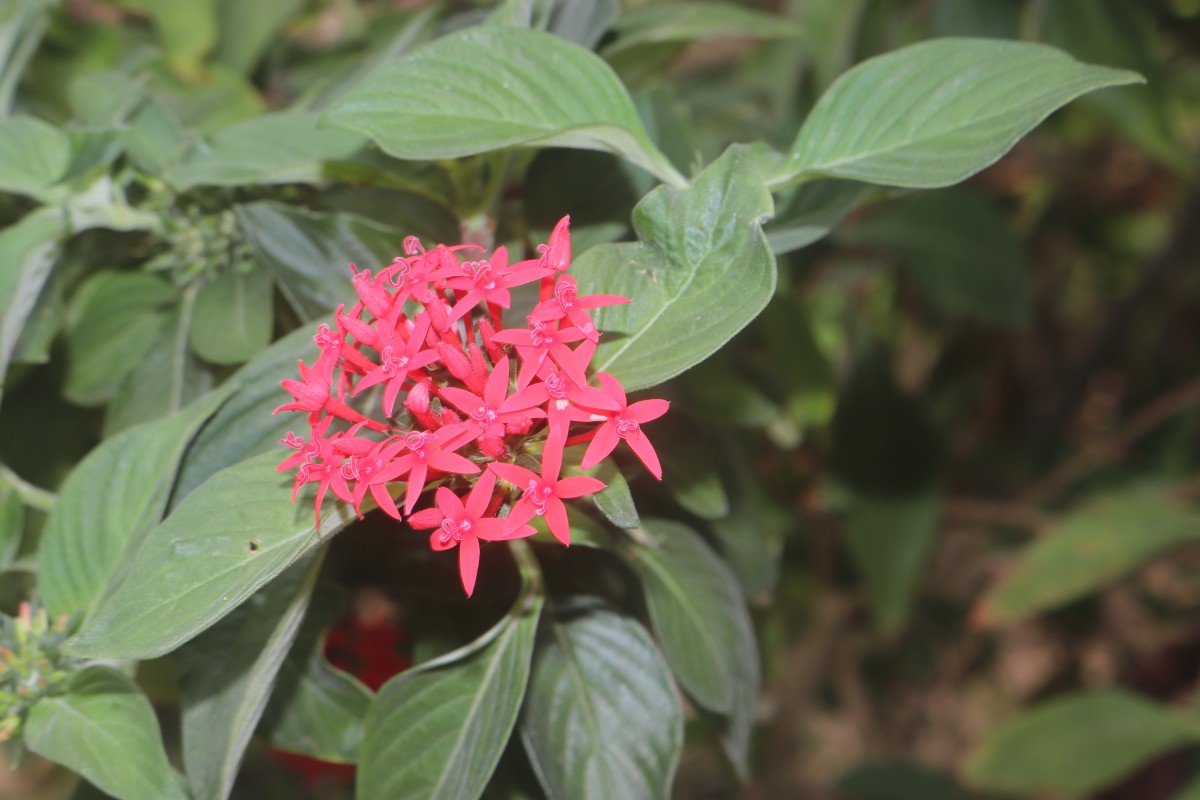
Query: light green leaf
[[246, 30], [601, 717], [936, 112], [310, 253], [33, 156], [316, 709], [223, 543], [1076, 744], [109, 501], [512, 87], [104, 99], [187, 29], [104, 728], [274, 148], [1091, 547], [179, 377], [962, 253], [114, 320], [691, 22], [701, 272], [28, 250], [890, 538], [232, 319], [226, 675], [584, 21], [439, 730], [155, 138], [697, 610], [244, 426], [22, 25]]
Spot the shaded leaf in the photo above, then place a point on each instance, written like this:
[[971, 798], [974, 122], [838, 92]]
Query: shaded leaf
[[890, 539], [601, 717], [226, 675], [309, 253], [246, 30], [115, 317], [809, 212], [939, 111], [28, 250], [512, 87], [1076, 744], [438, 731], [897, 780], [691, 22], [220, 545], [701, 272], [1091, 547], [697, 610], [232, 318], [962, 253], [104, 728]]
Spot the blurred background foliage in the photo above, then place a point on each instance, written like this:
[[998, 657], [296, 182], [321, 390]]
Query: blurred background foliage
[[953, 466]]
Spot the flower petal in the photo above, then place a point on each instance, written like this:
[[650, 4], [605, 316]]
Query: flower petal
[[468, 562], [578, 486]]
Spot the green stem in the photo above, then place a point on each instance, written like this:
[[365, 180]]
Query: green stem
[[32, 496]]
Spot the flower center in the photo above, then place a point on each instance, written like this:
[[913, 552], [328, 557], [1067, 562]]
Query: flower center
[[539, 494], [393, 363], [485, 416], [480, 273], [416, 441], [540, 335], [326, 339], [566, 293], [292, 440], [556, 386], [453, 531], [412, 245], [627, 428]]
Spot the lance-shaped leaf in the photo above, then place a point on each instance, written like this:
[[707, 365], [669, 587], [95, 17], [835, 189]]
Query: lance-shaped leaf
[[602, 717], [693, 22], [223, 543], [28, 250], [511, 87], [934, 113], [103, 727], [1090, 548], [700, 273], [109, 500], [226, 675], [698, 612], [1077, 744], [439, 730]]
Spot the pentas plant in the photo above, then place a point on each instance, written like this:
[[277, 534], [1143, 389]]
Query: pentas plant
[[420, 386]]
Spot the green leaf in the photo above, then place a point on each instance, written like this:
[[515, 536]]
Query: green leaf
[[439, 730], [994, 19], [702, 271], [601, 717], [584, 21], [104, 728], [223, 543], [187, 29], [811, 211], [178, 376], [109, 501], [615, 500], [116, 316], [936, 112], [690, 467], [28, 250], [897, 780], [690, 22], [226, 675], [1122, 35], [244, 427], [33, 156], [1091, 547], [274, 148], [750, 537], [12, 524], [22, 25], [246, 30], [1076, 744], [962, 253], [155, 138], [697, 610], [512, 87], [105, 99], [232, 319], [309, 253], [316, 709], [890, 539]]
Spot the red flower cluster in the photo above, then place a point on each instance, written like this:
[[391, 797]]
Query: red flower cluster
[[429, 327]]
